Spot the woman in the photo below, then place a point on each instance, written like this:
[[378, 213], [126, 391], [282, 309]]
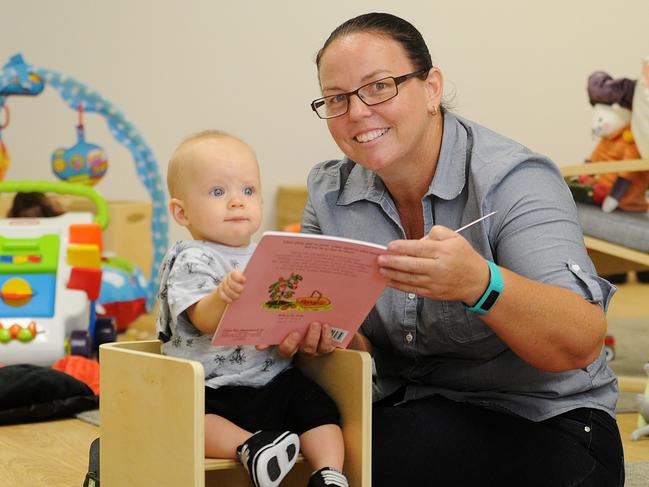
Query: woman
[[488, 342]]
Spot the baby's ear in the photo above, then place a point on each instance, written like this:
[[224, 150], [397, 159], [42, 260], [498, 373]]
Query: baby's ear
[[177, 210]]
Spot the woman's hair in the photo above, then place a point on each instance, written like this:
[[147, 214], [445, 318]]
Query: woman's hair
[[388, 25], [33, 205]]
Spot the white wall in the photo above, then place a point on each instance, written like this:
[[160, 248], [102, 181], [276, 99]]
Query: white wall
[[175, 67]]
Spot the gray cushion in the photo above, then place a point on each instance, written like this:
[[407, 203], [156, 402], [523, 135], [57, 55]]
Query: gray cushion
[[619, 227]]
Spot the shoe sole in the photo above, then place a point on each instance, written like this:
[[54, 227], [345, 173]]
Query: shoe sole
[[272, 462]]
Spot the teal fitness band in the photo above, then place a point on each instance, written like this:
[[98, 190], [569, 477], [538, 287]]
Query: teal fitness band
[[491, 294]]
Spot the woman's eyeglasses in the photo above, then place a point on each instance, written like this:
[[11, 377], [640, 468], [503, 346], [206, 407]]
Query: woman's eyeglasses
[[371, 94]]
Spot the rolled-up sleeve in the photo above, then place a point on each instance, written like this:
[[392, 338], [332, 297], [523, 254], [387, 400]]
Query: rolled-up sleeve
[[539, 237]]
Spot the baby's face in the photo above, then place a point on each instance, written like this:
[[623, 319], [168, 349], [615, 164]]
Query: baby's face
[[222, 192]]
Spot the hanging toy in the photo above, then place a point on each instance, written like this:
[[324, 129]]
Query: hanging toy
[[22, 80], [4, 153], [83, 162]]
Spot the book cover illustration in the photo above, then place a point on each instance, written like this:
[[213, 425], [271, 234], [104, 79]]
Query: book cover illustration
[[282, 290], [294, 279]]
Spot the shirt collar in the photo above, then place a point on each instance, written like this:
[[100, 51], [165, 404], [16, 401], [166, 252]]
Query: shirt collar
[[450, 174]]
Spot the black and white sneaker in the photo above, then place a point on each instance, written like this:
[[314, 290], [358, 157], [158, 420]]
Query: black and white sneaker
[[268, 456], [328, 477]]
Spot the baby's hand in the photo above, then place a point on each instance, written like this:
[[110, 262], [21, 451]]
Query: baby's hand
[[231, 286]]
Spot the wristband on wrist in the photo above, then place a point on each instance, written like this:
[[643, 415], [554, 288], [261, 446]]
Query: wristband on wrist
[[491, 294]]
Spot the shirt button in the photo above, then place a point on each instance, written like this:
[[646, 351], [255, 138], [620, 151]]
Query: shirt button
[[587, 429], [412, 295], [409, 337], [575, 268]]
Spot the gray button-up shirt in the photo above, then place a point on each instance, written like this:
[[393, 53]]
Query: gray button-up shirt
[[438, 347]]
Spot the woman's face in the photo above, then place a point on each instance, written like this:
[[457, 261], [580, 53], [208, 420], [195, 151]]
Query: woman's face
[[379, 137]]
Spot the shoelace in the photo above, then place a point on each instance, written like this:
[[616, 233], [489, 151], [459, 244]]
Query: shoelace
[[332, 477]]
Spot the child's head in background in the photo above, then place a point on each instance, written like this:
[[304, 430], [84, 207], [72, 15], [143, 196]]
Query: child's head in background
[[34, 205], [214, 184]]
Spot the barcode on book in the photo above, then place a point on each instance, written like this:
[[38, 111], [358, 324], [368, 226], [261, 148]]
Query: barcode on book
[[338, 335]]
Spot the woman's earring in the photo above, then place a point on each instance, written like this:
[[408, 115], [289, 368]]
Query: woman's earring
[[434, 111]]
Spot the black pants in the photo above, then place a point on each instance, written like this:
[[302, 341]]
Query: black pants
[[290, 401], [438, 442]]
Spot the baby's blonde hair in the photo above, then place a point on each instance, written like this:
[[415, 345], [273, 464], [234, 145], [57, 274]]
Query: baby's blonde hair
[[178, 158]]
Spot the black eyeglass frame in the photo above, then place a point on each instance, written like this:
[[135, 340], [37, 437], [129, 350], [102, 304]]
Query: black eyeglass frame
[[397, 81]]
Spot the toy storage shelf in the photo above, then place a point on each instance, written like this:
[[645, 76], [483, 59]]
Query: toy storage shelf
[[615, 259], [610, 257], [604, 167]]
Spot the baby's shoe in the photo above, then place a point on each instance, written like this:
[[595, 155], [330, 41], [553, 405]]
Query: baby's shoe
[[327, 477], [268, 456]]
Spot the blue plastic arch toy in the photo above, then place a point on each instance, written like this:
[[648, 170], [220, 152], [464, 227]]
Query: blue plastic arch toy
[[19, 78]]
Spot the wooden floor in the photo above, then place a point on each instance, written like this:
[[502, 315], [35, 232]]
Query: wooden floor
[[55, 453], [52, 453]]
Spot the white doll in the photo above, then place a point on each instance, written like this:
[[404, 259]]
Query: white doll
[[643, 409], [640, 115]]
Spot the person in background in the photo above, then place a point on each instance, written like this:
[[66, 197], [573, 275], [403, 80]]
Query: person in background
[[34, 205]]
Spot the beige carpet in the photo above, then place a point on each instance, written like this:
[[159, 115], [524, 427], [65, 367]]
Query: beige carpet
[[631, 345], [636, 474]]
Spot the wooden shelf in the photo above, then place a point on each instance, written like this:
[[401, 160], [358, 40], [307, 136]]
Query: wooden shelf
[[604, 167]]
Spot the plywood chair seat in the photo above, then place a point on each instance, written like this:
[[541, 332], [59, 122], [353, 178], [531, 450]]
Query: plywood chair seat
[[152, 418], [225, 464]]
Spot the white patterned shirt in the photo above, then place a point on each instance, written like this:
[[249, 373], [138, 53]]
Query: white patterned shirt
[[190, 271]]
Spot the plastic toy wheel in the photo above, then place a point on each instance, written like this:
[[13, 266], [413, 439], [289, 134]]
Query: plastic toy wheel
[[105, 332], [609, 347], [80, 343]]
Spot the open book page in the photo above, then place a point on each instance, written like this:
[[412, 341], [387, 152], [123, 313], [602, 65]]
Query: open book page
[[293, 279]]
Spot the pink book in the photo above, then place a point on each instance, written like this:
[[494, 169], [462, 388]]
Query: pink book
[[293, 279]]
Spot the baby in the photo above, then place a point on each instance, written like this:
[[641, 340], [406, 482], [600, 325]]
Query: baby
[[258, 407]]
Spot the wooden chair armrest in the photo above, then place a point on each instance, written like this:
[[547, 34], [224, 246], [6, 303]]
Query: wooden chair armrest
[[158, 438], [346, 375], [604, 167]]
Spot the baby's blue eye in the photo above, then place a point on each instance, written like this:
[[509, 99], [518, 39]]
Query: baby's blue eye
[[218, 192], [248, 190]]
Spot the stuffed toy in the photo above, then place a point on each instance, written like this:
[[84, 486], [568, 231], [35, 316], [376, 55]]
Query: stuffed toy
[[612, 101], [643, 410]]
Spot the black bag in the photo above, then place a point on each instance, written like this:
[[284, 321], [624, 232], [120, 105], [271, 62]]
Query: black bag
[[92, 477], [31, 393]]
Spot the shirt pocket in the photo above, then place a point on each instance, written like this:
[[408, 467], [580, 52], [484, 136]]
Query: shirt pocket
[[463, 326]]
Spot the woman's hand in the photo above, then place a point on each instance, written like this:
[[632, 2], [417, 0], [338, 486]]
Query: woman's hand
[[316, 340], [441, 266], [360, 342]]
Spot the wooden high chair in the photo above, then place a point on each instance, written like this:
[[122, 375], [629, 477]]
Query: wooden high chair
[[152, 418]]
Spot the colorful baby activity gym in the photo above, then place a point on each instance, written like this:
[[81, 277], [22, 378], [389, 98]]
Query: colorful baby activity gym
[[61, 290]]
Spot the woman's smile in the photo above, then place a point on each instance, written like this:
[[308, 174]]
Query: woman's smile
[[370, 135]]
